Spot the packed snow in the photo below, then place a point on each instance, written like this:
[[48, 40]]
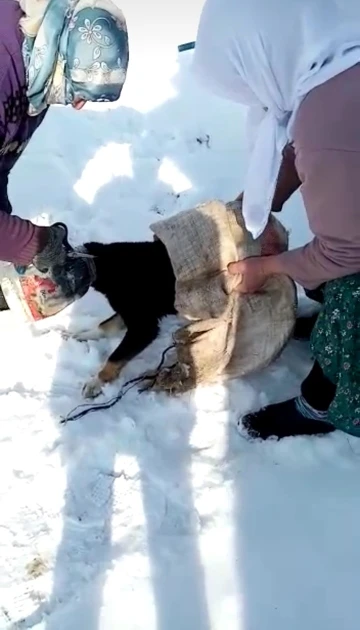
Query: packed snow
[[158, 514]]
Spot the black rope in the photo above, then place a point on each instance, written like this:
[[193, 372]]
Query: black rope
[[82, 410]]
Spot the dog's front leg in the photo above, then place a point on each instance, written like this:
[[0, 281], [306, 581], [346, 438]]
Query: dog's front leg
[[107, 329], [136, 339]]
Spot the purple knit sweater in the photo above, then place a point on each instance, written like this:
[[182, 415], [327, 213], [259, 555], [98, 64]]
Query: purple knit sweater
[[20, 240]]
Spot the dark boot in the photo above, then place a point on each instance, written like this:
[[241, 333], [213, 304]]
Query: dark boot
[[304, 327], [282, 420]]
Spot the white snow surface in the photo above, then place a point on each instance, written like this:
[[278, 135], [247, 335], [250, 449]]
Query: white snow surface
[[157, 514]]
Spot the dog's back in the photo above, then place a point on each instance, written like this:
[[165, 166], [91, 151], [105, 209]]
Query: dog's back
[[136, 278]]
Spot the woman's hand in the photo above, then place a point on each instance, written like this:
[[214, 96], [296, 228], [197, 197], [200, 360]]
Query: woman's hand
[[254, 272], [73, 275], [54, 248]]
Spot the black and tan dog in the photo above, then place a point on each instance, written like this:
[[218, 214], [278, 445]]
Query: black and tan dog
[[137, 280]]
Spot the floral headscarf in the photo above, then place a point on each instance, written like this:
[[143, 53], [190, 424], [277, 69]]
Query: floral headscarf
[[80, 50]]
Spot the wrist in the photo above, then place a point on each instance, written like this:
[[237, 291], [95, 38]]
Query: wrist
[[272, 265], [31, 245]]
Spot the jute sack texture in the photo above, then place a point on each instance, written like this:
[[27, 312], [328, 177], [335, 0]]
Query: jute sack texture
[[227, 334]]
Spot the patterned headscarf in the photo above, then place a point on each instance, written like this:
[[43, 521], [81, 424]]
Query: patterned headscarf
[[80, 51]]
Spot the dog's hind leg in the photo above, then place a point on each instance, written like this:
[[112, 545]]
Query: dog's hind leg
[[136, 339], [110, 327]]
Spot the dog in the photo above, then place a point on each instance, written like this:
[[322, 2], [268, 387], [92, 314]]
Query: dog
[[138, 281]]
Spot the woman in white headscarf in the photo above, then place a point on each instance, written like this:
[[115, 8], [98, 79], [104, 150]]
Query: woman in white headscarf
[[296, 64]]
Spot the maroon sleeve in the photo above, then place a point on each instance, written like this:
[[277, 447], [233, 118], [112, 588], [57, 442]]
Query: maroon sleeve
[[20, 240], [331, 192]]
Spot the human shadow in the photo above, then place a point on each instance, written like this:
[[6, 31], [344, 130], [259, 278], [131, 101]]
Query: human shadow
[[291, 501], [128, 472]]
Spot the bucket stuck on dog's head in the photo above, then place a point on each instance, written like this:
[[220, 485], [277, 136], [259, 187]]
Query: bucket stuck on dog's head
[[36, 295]]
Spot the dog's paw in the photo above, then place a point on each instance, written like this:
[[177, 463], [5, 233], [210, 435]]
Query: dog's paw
[[92, 388]]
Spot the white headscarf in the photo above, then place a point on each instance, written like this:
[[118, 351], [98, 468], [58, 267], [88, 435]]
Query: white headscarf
[[269, 54]]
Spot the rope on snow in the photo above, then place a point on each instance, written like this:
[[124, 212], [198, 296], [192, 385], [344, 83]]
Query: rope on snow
[[82, 410]]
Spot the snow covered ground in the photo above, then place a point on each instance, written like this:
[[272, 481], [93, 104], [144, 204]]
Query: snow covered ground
[[157, 515]]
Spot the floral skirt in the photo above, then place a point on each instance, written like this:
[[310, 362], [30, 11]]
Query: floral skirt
[[335, 344]]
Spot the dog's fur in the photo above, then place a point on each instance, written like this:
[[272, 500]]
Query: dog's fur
[[138, 281]]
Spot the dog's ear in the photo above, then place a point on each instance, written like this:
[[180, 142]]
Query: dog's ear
[[94, 249]]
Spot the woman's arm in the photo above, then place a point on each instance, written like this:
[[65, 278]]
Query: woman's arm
[[20, 240], [331, 194]]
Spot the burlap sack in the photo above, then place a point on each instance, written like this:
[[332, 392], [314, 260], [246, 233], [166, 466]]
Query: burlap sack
[[230, 334]]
